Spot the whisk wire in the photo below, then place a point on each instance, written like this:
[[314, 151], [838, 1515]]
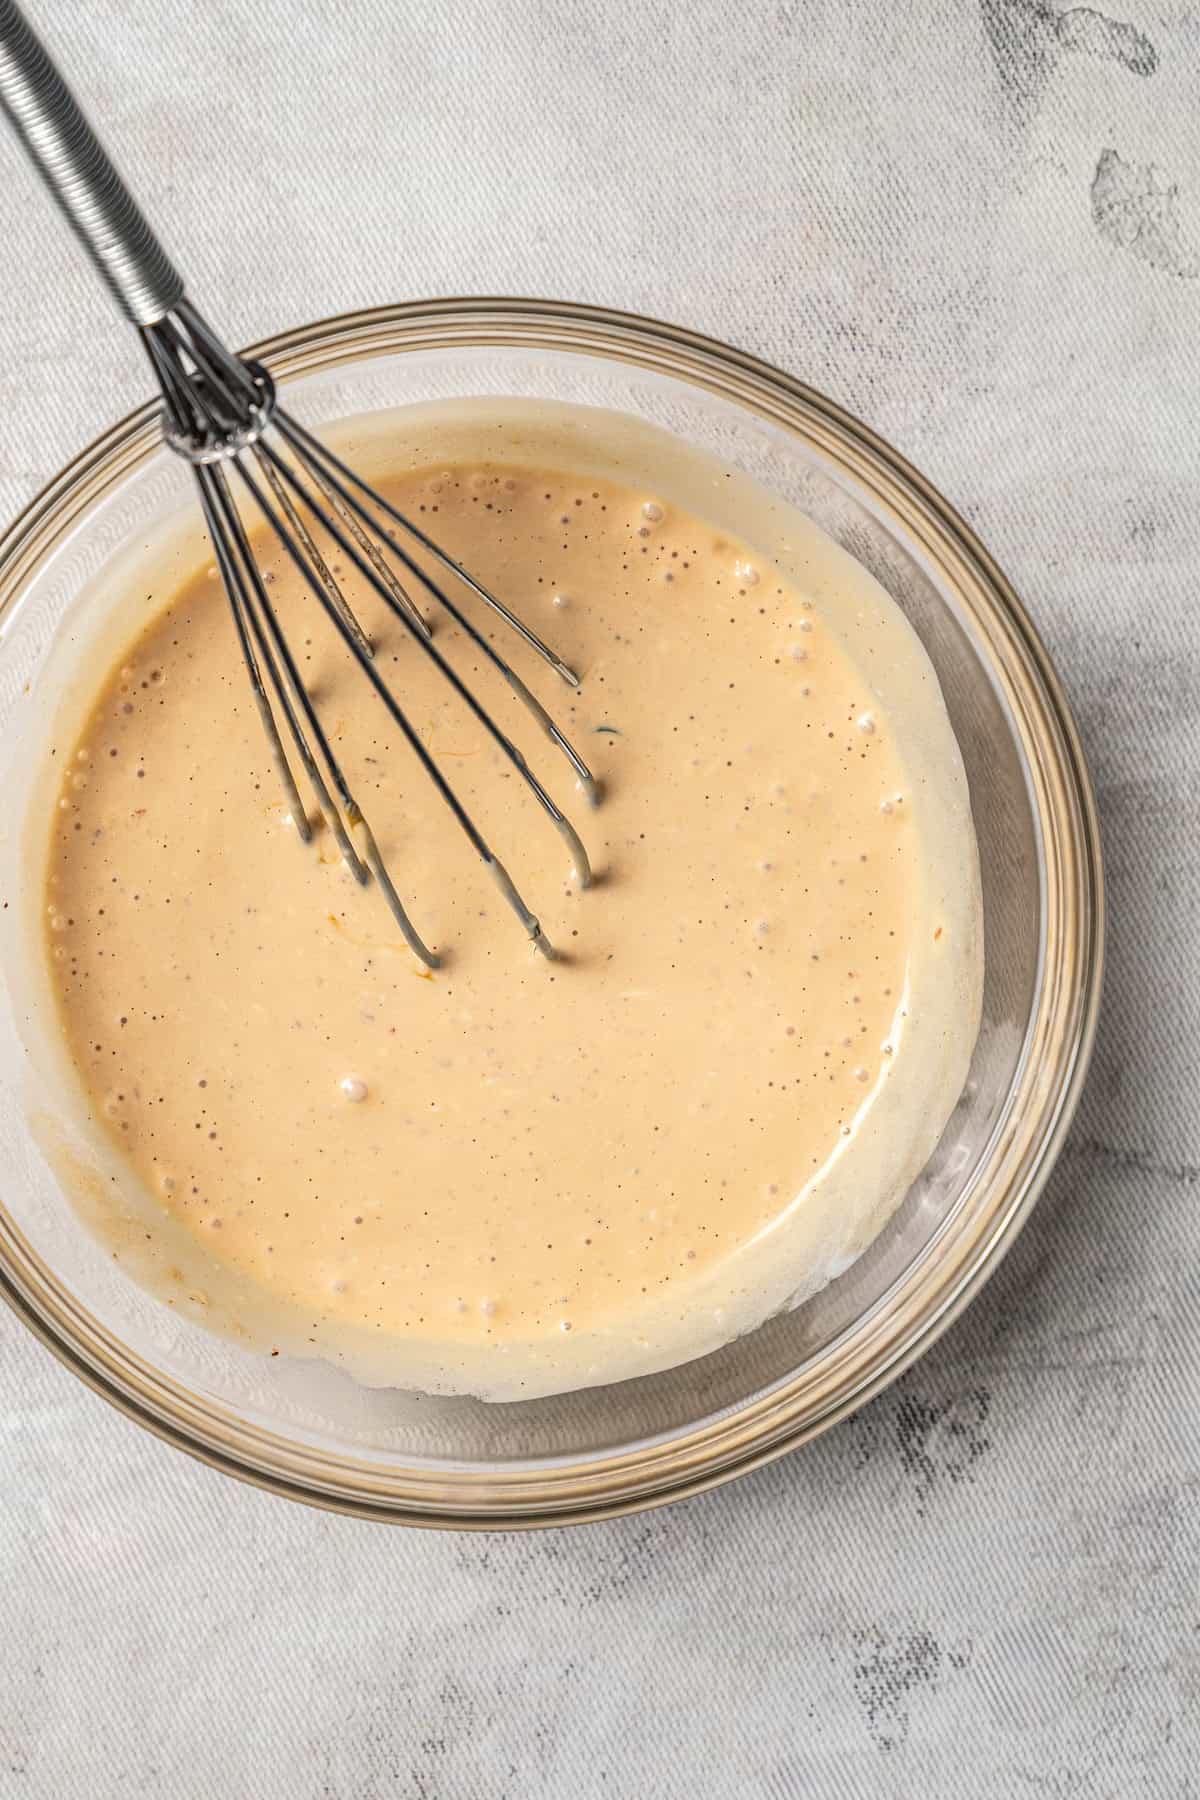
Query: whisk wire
[[354, 834], [507, 887], [247, 631], [324, 572], [198, 333], [502, 741], [289, 687], [400, 596], [305, 441], [300, 440]]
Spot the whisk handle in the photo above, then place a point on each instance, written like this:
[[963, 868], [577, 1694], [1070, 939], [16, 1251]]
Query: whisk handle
[[75, 167]]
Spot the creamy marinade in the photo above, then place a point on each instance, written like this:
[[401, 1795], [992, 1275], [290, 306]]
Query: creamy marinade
[[511, 1176]]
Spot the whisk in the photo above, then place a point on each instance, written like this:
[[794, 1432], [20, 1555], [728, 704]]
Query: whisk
[[222, 415]]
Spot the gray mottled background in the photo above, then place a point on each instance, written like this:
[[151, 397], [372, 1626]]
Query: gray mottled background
[[976, 223]]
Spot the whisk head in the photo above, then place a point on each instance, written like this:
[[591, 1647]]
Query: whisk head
[[223, 416]]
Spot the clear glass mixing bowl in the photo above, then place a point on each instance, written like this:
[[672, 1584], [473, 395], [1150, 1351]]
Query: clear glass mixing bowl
[[308, 1431]]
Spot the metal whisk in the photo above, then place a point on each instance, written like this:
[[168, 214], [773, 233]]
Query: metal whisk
[[223, 416]]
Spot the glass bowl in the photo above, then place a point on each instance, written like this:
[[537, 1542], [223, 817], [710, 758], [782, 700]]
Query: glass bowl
[[307, 1430]]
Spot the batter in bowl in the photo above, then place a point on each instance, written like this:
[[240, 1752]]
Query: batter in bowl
[[512, 1176]]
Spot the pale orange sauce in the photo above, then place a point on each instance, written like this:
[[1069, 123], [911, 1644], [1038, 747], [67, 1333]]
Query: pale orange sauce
[[547, 1154]]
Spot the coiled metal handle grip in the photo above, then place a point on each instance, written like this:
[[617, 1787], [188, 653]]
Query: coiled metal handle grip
[[74, 166]]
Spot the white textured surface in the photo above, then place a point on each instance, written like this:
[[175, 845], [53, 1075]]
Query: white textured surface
[[978, 225]]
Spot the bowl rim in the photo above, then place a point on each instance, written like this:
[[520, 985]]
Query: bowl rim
[[765, 1427]]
